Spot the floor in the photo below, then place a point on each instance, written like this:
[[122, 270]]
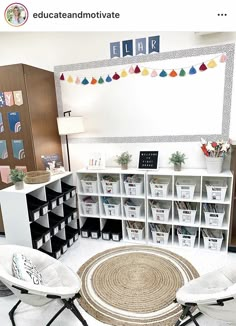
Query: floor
[[75, 257]]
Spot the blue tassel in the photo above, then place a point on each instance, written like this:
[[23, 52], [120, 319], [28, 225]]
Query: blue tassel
[[108, 79], [192, 71], [85, 81]]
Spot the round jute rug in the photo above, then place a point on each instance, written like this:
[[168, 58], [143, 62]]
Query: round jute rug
[[134, 285]]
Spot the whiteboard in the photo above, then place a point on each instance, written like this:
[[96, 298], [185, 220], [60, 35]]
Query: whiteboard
[[144, 108]]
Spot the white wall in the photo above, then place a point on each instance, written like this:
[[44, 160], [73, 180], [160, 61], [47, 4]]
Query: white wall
[[46, 50]]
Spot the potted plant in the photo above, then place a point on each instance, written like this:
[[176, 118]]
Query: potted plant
[[17, 177], [124, 160], [177, 159]]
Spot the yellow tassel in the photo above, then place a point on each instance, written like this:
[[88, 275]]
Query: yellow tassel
[[145, 72], [123, 73], [70, 79], [211, 64]]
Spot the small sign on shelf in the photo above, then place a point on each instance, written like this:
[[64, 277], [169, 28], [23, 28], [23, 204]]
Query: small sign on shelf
[[96, 161], [148, 160]]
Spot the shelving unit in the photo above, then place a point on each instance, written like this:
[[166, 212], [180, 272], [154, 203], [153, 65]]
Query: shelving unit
[[167, 197], [43, 216], [114, 190]]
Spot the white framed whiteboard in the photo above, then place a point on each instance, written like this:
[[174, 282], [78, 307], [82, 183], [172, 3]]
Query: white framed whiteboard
[[144, 109]]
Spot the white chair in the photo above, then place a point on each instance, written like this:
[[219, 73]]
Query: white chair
[[213, 294], [59, 282]]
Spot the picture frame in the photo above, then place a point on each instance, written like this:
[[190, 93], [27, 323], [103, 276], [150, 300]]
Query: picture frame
[[148, 160]]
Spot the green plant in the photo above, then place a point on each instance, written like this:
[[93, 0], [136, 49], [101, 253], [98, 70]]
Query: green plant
[[124, 158], [177, 158], [16, 175]]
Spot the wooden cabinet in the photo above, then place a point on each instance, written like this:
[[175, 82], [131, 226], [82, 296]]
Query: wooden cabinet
[[232, 240], [35, 110]]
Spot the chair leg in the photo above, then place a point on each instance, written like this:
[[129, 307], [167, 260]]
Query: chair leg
[[11, 313], [187, 313], [70, 305], [56, 315]]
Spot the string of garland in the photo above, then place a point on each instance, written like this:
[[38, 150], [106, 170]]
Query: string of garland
[[147, 71]]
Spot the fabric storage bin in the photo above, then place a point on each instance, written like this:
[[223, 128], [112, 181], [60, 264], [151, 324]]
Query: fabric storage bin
[[89, 184], [89, 206], [186, 236], [110, 185], [160, 233], [132, 208], [159, 186], [135, 230], [185, 188], [214, 214], [212, 239], [160, 213], [216, 189]]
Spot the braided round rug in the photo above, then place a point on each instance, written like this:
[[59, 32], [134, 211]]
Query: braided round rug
[[134, 285]]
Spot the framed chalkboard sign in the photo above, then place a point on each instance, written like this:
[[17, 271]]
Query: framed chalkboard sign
[[148, 160]]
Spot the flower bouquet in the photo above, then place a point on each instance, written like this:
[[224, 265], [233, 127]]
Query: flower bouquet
[[217, 148], [215, 152]]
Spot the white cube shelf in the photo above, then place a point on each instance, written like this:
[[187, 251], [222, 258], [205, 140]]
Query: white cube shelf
[[188, 185]]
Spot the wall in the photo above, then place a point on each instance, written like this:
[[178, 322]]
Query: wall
[[46, 50]]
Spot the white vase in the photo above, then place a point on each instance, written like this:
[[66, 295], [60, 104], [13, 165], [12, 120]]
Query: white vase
[[214, 164], [19, 185]]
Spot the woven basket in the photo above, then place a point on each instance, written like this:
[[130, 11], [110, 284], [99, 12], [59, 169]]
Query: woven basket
[[37, 177]]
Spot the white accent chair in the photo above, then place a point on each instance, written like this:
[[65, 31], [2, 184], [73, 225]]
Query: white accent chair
[[213, 294], [59, 281]]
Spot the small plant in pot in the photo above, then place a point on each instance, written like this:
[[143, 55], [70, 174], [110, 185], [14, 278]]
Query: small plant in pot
[[124, 159], [177, 159], [17, 177]]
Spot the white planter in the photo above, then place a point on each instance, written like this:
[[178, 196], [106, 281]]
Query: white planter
[[214, 164]]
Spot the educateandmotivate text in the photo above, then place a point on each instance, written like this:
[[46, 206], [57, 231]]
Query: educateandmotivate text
[[77, 15]]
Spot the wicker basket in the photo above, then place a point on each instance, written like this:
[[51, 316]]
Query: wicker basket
[[37, 176]]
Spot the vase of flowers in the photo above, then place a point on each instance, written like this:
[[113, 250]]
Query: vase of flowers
[[123, 160], [215, 152]]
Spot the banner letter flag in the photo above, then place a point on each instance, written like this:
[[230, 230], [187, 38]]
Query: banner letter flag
[[140, 44], [9, 98], [127, 47], [115, 49], [18, 97], [154, 44], [2, 100]]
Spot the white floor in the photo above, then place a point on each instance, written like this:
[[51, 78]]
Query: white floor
[[82, 250]]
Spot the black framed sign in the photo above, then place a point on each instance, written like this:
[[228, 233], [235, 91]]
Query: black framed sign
[[148, 160]]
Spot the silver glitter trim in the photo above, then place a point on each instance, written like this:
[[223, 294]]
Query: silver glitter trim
[[228, 49]]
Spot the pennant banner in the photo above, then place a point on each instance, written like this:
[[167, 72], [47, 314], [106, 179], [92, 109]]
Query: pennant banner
[[143, 71]]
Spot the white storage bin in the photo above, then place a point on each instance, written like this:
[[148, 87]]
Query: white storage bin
[[185, 188], [160, 237], [133, 211], [213, 243], [159, 188], [89, 186], [110, 187], [186, 240], [133, 188], [187, 215], [90, 208], [214, 219], [161, 214], [216, 190], [112, 209], [135, 234]]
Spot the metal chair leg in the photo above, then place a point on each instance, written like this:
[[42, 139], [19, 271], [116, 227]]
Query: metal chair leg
[[56, 315], [11, 313], [70, 305], [187, 313]]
